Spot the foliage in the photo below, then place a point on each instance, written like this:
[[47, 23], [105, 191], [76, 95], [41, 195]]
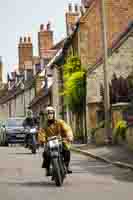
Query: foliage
[[75, 90], [74, 84], [78, 135], [72, 65], [120, 130], [99, 126]]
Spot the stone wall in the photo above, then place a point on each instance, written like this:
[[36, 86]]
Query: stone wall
[[120, 63], [17, 106], [3, 111]]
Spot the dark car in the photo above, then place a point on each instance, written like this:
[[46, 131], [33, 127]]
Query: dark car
[[14, 130]]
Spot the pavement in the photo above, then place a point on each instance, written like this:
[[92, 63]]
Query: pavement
[[118, 155], [21, 177]]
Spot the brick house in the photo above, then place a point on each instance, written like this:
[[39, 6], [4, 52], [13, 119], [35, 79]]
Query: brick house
[[87, 43], [45, 82], [20, 93], [85, 39]]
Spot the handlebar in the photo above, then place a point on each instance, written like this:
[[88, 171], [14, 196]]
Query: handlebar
[[58, 138], [54, 138]]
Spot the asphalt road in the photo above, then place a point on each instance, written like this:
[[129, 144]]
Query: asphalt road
[[21, 178]]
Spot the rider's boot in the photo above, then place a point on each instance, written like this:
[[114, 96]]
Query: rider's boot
[[48, 172], [69, 171]]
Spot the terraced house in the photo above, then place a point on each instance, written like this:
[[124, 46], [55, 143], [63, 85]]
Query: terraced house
[[85, 39], [25, 84]]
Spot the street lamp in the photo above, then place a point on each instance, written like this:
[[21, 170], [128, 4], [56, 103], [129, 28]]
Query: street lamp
[[105, 59]]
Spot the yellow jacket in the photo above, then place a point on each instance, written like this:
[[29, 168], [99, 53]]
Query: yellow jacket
[[59, 127]]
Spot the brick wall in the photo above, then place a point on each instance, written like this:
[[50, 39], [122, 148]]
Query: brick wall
[[71, 17], [25, 52], [45, 39], [119, 14]]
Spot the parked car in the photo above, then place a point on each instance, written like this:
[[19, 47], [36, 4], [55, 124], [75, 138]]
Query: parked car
[[2, 134], [14, 131]]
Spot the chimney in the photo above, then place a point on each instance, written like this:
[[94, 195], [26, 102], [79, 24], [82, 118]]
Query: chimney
[[72, 17], [41, 27], [29, 39], [45, 39], [76, 8], [21, 40], [25, 39], [48, 26], [25, 52], [70, 7]]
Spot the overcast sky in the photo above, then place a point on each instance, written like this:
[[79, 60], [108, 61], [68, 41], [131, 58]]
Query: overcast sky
[[23, 17]]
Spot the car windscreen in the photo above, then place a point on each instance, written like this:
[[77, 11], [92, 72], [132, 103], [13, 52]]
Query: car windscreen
[[14, 123]]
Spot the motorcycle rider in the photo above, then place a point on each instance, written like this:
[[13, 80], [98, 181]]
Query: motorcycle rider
[[30, 122], [57, 127]]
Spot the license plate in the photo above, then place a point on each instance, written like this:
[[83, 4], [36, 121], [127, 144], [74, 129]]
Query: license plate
[[20, 135]]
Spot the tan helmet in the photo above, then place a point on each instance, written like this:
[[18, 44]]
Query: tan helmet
[[29, 113], [50, 108]]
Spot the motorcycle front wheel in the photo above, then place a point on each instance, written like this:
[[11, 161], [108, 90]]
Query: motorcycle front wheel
[[56, 172]]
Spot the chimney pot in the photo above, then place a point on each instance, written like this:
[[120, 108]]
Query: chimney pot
[[25, 39], [29, 39], [0, 59], [20, 40], [41, 27], [76, 8], [70, 7], [48, 26]]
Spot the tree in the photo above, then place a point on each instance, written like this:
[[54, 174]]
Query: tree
[[75, 90]]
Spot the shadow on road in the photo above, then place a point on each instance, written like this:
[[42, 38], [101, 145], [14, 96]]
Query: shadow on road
[[27, 153], [31, 184], [95, 167]]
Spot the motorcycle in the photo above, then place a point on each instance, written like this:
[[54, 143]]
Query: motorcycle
[[31, 142], [54, 148]]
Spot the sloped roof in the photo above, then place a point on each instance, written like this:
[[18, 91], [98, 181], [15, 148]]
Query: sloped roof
[[115, 45], [43, 93], [59, 44], [10, 94]]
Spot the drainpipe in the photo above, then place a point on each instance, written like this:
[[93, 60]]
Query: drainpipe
[[105, 63]]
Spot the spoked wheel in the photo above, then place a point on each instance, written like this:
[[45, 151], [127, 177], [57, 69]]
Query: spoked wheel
[[62, 169], [57, 176]]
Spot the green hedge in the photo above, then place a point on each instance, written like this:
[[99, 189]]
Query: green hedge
[[120, 130]]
